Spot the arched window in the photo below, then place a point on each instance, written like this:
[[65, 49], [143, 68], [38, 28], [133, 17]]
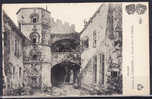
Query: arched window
[[34, 17], [35, 54], [34, 36], [34, 39], [34, 20], [34, 57]]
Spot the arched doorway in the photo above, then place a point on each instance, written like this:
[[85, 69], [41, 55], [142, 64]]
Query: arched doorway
[[64, 72]]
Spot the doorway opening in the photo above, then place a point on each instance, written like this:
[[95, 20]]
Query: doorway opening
[[64, 73]]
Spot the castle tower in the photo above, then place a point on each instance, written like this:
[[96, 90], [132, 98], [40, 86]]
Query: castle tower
[[34, 23]]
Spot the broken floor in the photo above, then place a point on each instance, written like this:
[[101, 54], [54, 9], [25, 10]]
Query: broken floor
[[64, 90]]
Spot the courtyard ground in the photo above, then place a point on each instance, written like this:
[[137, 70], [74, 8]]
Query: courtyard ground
[[64, 90]]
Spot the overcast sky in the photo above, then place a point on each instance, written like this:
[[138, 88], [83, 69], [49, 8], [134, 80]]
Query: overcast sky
[[73, 13]]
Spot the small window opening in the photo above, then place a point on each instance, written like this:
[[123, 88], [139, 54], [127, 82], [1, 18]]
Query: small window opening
[[34, 57], [34, 20], [20, 71], [94, 39], [34, 40], [114, 73], [86, 43]]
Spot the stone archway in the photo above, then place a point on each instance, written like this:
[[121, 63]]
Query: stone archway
[[66, 45], [64, 72]]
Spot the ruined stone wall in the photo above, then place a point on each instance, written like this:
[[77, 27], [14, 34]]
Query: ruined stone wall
[[32, 70], [56, 37], [59, 57], [107, 24], [13, 55], [115, 35], [114, 46], [46, 66], [98, 25], [61, 28], [87, 76]]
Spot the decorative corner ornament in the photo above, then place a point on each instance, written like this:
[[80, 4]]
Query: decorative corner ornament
[[140, 87], [130, 9], [140, 9]]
